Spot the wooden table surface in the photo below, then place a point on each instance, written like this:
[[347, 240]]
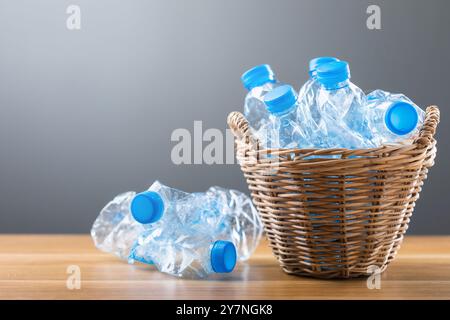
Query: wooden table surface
[[35, 267]]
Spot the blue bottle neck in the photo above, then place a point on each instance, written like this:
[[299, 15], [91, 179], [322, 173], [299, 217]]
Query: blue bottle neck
[[285, 111], [257, 84], [337, 86]]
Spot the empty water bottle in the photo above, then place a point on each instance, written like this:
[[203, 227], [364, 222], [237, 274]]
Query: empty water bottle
[[258, 81], [224, 214], [240, 222], [115, 231], [393, 117], [342, 105], [308, 92], [185, 253], [289, 126], [155, 206]]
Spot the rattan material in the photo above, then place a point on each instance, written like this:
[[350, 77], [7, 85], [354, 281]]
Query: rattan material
[[338, 217]]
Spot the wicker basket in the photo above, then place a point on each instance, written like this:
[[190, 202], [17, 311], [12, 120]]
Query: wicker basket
[[335, 217]]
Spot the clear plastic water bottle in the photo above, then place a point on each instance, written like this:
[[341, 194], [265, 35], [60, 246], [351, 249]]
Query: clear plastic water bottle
[[343, 107], [155, 207], [339, 135], [238, 216], [225, 214], [288, 127], [185, 253], [308, 92], [115, 231], [393, 117], [258, 81]]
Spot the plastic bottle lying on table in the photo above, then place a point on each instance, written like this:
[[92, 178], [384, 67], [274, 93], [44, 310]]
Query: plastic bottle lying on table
[[224, 214], [342, 106], [184, 252], [115, 230]]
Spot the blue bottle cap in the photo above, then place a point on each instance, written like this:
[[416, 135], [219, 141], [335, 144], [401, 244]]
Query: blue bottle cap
[[316, 62], [257, 76], [223, 256], [280, 99], [332, 73], [401, 118], [147, 207]]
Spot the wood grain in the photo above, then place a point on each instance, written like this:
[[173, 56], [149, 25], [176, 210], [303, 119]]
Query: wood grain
[[34, 267]]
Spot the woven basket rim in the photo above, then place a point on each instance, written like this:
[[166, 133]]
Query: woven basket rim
[[242, 132]]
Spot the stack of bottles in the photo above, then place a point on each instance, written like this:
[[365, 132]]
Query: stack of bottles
[[329, 111], [190, 235]]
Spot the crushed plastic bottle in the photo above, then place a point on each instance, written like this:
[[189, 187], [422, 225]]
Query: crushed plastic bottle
[[155, 207], [225, 214], [393, 117], [308, 92], [332, 112], [240, 216], [258, 81], [342, 106], [185, 252], [115, 231], [289, 126]]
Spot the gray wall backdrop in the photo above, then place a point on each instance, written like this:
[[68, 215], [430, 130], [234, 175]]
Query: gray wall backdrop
[[85, 115]]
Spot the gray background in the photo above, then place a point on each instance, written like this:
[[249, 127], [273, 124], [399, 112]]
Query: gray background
[[85, 115]]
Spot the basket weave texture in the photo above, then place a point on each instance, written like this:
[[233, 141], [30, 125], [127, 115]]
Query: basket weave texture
[[335, 217]]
